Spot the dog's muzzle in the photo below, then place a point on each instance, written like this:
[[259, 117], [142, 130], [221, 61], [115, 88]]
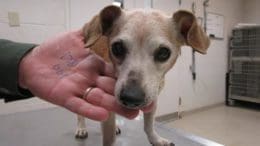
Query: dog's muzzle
[[132, 96]]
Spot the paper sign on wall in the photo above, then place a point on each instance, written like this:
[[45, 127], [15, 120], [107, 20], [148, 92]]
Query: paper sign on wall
[[215, 25]]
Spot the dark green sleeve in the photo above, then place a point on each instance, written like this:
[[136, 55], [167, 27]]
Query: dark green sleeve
[[11, 54]]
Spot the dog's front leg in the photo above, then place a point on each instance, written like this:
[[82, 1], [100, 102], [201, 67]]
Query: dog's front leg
[[109, 130], [81, 131], [152, 135]]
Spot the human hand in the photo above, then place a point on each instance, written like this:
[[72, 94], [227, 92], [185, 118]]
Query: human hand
[[61, 69]]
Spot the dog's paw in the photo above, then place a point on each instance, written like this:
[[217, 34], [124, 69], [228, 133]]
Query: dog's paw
[[81, 133], [162, 142], [118, 131]]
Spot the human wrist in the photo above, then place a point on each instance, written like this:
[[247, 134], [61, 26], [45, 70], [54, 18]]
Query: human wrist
[[24, 68]]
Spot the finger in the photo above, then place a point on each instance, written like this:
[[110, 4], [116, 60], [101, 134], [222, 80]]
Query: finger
[[78, 32], [106, 83], [100, 98], [77, 35], [109, 70], [81, 82], [92, 64], [148, 108], [81, 107]]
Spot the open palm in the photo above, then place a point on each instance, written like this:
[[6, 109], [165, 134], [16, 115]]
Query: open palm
[[61, 69]]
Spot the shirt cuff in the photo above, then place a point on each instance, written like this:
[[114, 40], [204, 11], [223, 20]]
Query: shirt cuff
[[10, 57]]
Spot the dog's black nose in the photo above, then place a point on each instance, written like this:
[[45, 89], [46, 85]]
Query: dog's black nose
[[132, 96]]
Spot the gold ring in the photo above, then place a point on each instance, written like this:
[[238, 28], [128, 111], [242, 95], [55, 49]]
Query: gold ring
[[87, 92]]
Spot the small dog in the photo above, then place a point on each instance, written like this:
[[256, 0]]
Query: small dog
[[142, 45]]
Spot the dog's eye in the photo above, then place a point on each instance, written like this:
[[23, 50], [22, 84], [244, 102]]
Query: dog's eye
[[118, 50], [162, 54]]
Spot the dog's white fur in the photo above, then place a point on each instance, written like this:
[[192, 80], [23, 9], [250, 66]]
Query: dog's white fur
[[142, 32]]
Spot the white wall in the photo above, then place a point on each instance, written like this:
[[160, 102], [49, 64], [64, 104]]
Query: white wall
[[39, 19], [251, 11], [81, 11], [42, 19]]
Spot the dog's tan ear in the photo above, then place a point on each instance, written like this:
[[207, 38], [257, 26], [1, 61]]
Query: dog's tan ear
[[190, 31], [92, 31], [101, 24]]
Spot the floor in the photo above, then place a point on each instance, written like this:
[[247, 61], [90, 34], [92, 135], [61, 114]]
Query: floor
[[56, 127], [23, 106], [231, 126]]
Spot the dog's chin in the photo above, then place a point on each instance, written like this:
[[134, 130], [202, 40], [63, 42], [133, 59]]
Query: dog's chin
[[133, 106]]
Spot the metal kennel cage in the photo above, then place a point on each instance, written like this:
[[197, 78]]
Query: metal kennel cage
[[244, 65]]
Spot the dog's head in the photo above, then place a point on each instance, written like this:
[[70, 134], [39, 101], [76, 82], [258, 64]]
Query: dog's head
[[143, 46]]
